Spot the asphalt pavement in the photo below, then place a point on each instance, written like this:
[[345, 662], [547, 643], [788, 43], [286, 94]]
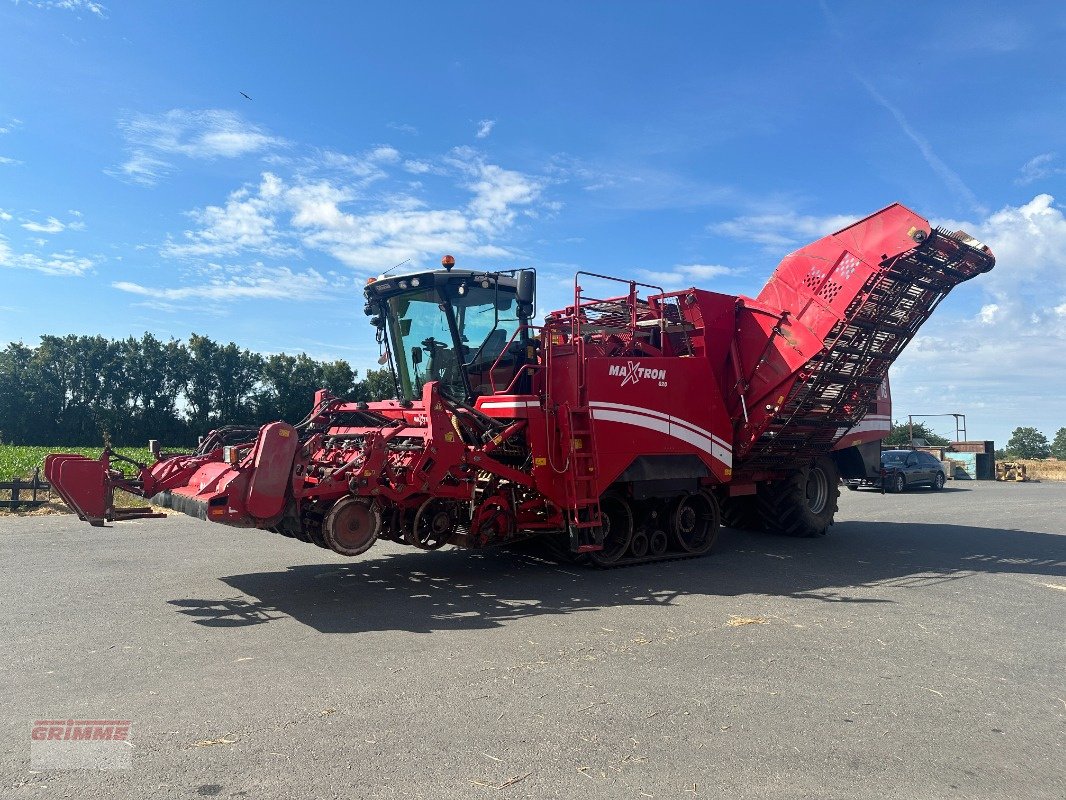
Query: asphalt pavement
[[917, 651]]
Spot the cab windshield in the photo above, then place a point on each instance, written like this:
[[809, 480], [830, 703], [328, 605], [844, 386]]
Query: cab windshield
[[450, 334]]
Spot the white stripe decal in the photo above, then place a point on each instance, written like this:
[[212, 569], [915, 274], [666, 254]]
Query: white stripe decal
[[871, 423], [712, 448], [696, 429], [512, 404]]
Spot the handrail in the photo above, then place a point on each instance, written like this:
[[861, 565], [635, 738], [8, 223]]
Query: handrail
[[503, 351], [629, 299]]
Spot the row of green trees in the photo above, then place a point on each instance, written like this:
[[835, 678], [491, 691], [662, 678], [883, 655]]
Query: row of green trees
[[71, 390], [1023, 443], [1031, 443]]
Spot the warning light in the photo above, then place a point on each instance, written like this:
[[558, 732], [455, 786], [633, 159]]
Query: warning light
[[448, 262]]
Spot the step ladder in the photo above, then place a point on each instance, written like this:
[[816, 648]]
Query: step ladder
[[582, 499]]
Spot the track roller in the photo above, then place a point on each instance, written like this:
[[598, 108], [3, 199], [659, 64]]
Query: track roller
[[695, 521], [617, 522], [638, 548], [658, 543]]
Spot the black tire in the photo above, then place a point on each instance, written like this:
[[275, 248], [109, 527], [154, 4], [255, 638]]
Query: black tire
[[658, 543], [852, 487], [899, 482], [938, 482], [803, 504], [694, 523], [617, 516], [638, 547], [740, 513]]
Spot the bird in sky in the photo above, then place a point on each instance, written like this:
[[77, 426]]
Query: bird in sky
[[246, 97]]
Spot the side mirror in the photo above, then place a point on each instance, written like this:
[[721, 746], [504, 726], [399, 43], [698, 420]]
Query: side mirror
[[416, 355], [526, 286]]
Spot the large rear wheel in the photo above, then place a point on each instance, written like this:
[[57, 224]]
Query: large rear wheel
[[803, 504], [741, 513]]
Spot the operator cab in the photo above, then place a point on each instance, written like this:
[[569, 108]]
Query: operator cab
[[452, 326]]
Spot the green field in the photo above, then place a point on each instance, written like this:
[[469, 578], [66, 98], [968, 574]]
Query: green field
[[19, 462]]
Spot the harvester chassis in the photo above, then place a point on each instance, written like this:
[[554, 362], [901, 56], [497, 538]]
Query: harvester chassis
[[622, 430]]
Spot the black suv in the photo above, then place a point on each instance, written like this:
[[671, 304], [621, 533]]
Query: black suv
[[903, 468]]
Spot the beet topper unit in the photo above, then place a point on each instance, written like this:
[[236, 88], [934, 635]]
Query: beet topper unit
[[621, 429]]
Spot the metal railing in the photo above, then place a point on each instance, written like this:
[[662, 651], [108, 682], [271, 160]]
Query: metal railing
[[17, 486]]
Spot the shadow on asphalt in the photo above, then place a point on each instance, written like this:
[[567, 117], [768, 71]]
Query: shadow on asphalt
[[914, 490], [467, 590]]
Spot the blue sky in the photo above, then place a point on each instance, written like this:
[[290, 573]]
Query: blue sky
[[687, 143]]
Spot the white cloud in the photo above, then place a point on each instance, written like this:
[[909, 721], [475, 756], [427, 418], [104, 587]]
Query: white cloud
[[142, 168], [375, 240], [782, 230], [6, 217], [9, 126], [91, 6], [65, 263], [484, 128], [367, 166], [1030, 246], [245, 222], [236, 283], [334, 214], [9, 161], [681, 276], [497, 191], [1006, 364], [417, 167], [1040, 167], [51, 225], [153, 140], [403, 127], [385, 154]]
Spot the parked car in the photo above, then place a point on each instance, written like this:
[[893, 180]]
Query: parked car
[[901, 469]]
